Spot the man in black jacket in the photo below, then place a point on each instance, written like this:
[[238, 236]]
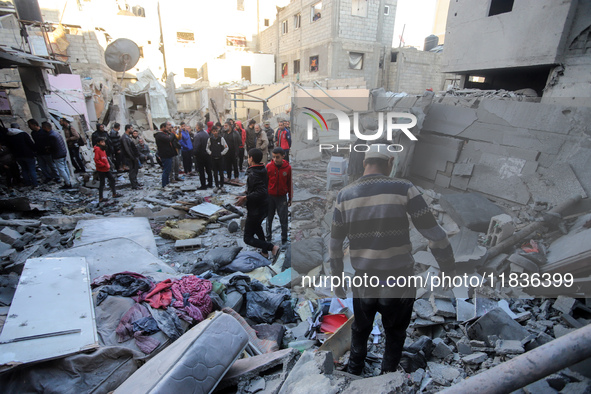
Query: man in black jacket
[[270, 136], [115, 140], [234, 140], [23, 150], [202, 159], [132, 156], [42, 146], [164, 142], [256, 204], [251, 137]]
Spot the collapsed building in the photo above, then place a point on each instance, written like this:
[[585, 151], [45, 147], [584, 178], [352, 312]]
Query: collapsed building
[[505, 174]]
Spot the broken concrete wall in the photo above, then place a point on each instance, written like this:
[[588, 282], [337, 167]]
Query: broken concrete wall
[[413, 71], [10, 82], [510, 41], [510, 150], [278, 104], [570, 82]]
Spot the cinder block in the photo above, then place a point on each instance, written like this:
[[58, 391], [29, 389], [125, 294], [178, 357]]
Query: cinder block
[[187, 244], [501, 227]]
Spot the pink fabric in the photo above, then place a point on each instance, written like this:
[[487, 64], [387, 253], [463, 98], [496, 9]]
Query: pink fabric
[[196, 293]]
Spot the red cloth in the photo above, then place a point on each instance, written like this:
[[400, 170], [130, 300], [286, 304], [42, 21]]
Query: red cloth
[[280, 181], [209, 127], [100, 160], [160, 296]]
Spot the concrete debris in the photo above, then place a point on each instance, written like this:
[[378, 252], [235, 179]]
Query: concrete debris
[[496, 322], [387, 383], [441, 350], [442, 307], [471, 210], [564, 304], [504, 347], [312, 373], [501, 227], [443, 374], [475, 358]]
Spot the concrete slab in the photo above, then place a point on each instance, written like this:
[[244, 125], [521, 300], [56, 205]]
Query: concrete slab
[[442, 180], [466, 248], [463, 169], [475, 358], [501, 180], [470, 210], [445, 119], [9, 235], [387, 383], [535, 116], [441, 350], [581, 162], [117, 255], [432, 153], [442, 374], [135, 229], [554, 184], [496, 322], [423, 309], [310, 374], [442, 307]]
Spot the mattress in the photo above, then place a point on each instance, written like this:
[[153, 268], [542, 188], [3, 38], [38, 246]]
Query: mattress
[[194, 363]]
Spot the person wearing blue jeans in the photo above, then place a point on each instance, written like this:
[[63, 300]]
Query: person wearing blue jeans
[[59, 154], [166, 171]]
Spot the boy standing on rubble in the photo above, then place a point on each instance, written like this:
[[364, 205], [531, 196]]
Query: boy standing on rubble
[[217, 149], [280, 192], [256, 200], [103, 168]]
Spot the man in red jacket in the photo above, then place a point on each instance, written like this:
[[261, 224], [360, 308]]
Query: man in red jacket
[[280, 192], [103, 168]]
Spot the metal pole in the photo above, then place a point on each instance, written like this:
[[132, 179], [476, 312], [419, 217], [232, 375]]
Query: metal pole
[[531, 366]]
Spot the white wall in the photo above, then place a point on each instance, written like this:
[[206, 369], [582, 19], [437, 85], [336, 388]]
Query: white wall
[[262, 68]]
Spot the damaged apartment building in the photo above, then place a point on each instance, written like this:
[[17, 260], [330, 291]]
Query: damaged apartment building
[[332, 39], [532, 143]]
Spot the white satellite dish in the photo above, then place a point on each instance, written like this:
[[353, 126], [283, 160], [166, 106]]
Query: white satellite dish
[[122, 55]]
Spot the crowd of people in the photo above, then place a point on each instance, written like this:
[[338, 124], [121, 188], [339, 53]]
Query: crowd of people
[[216, 153]]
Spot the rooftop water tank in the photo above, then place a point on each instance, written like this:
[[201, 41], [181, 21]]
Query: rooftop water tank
[[431, 42]]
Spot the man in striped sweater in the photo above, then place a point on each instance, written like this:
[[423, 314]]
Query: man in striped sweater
[[373, 214]]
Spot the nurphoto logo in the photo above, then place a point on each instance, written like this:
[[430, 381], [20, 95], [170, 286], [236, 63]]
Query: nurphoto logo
[[391, 121]]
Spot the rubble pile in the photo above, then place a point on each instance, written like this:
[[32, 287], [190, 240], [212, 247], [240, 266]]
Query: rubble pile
[[289, 331]]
